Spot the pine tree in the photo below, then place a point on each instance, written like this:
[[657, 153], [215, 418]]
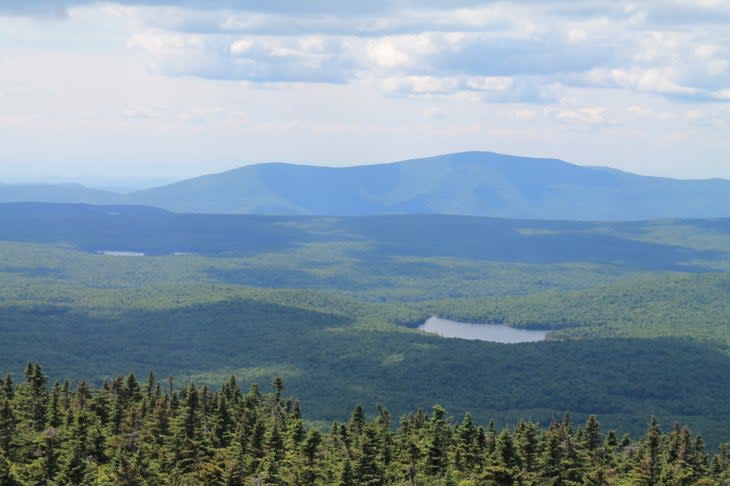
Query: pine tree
[[357, 421], [187, 434], [592, 435], [7, 425], [646, 471], [31, 398], [8, 388], [74, 469], [6, 476], [551, 458], [310, 448], [526, 443], [368, 470], [50, 461], [437, 446], [346, 477]]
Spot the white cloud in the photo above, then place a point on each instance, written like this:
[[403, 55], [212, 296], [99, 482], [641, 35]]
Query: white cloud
[[524, 114], [650, 80], [440, 48], [383, 53], [142, 112], [434, 113], [589, 115]]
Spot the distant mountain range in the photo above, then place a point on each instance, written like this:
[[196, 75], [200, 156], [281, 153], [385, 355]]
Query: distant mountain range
[[468, 183]]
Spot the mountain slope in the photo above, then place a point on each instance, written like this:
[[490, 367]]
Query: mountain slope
[[55, 193], [469, 183]]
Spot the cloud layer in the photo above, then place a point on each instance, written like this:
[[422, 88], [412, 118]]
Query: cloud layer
[[496, 51]]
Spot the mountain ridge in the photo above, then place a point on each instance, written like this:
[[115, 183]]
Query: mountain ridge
[[464, 183]]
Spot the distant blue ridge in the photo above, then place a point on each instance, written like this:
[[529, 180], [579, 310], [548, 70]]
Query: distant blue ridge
[[467, 183]]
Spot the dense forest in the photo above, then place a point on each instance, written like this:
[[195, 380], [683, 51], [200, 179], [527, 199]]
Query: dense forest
[[638, 312], [337, 352], [132, 432]]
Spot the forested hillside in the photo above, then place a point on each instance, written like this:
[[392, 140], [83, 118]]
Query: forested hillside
[[336, 352], [637, 311], [146, 432]]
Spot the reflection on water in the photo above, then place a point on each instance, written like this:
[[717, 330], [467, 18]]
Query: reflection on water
[[496, 333]]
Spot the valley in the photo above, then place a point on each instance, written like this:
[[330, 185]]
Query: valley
[[638, 313]]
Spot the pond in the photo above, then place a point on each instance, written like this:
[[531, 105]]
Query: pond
[[496, 333], [122, 253]]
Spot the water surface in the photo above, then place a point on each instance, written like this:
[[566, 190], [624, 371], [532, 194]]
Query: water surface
[[496, 333]]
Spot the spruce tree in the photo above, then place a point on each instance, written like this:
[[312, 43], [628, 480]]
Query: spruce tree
[[368, 469], [647, 468], [6, 476]]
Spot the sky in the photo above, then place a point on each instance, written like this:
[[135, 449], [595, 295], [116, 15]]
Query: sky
[[162, 90]]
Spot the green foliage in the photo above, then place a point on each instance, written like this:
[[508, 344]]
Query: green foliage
[[338, 352], [630, 336], [695, 306], [88, 448]]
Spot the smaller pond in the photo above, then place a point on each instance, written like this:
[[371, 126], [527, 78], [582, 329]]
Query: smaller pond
[[122, 253], [496, 333]]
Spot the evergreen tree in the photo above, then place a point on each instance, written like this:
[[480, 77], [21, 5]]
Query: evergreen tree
[[7, 425], [647, 468], [186, 436], [437, 446], [346, 477], [357, 421], [74, 469], [124, 433], [6, 476], [368, 470]]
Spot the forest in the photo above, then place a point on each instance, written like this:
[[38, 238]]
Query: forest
[[638, 318], [150, 432]]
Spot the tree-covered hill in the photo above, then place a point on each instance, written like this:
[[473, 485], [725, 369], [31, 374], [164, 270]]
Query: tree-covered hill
[[337, 352], [660, 245]]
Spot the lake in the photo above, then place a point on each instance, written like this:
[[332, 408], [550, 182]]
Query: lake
[[496, 333]]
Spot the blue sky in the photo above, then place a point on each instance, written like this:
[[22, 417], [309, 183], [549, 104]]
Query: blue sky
[[164, 89]]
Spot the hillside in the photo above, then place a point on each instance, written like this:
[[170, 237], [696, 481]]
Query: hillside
[[659, 245], [468, 183], [335, 353], [640, 322]]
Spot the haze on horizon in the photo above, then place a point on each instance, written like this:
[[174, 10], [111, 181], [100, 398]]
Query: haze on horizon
[[148, 90]]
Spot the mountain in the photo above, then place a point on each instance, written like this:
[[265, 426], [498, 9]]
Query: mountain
[[56, 193], [468, 183]]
